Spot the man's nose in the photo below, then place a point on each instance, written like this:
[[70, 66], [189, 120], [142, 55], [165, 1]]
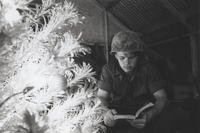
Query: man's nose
[[126, 61]]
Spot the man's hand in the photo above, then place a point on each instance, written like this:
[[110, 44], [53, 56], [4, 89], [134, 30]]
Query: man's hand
[[139, 123], [109, 118]]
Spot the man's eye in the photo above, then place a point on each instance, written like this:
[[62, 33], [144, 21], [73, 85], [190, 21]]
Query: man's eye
[[121, 58]]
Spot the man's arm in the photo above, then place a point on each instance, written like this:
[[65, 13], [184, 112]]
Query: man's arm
[[109, 116], [103, 96], [104, 85], [156, 85], [160, 103]]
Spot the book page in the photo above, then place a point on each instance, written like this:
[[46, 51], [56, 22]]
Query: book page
[[143, 108], [146, 106], [124, 117]]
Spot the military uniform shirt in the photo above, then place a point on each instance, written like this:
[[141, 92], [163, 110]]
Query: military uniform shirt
[[129, 93]]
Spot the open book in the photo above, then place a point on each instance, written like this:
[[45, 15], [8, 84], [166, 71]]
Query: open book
[[137, 114]]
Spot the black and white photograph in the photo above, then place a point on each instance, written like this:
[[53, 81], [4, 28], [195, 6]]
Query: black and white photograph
[[99, 66]]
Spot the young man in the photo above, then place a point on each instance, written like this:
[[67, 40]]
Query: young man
[[128, 82]]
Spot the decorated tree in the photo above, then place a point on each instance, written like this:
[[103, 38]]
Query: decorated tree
[[42, 89]]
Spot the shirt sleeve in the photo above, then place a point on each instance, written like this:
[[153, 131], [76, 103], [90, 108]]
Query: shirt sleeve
[[105, 81], [155, 80]]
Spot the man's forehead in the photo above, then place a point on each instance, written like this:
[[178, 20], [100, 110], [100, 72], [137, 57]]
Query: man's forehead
[[126, 53]]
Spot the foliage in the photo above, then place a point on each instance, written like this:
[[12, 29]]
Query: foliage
[[42, 89]]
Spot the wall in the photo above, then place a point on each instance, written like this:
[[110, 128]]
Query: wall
[[94, 25]]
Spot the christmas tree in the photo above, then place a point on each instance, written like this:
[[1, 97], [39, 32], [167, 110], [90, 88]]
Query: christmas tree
[[42, 89]]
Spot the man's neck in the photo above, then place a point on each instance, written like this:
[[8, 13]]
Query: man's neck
[[131, 73]]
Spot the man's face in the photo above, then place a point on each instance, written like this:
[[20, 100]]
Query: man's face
[[127, 60]]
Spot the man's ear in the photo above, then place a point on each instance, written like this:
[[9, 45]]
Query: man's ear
[[115, 55]]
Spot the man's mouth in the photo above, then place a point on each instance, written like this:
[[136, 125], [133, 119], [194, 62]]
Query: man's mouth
[[127, 67]]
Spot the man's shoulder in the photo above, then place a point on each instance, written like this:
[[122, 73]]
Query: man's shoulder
[[147, 65], [152, 71], [111, 67]]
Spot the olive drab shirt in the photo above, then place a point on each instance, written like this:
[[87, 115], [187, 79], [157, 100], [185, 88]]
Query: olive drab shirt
[[129, 93]]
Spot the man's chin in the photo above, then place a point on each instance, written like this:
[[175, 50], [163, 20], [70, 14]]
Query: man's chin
[[127, 70]]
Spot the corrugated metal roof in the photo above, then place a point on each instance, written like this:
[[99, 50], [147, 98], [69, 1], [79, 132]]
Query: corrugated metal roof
[[152, 18], [142, 13], [184, 6]]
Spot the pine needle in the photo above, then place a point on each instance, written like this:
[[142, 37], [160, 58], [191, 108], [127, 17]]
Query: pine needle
[[33, 125]]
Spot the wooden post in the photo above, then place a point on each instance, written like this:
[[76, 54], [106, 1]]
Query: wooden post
[[106, 35]]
